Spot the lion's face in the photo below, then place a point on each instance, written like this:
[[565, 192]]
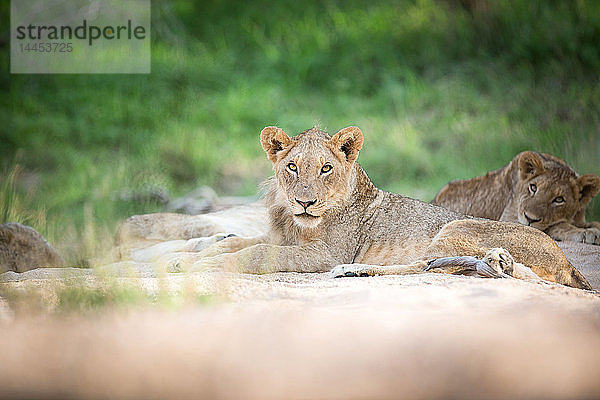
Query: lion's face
[[545, 201], [549, 195], [312, 170]]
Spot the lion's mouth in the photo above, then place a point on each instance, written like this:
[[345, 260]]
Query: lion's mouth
[[307, 220], [531, 220], [306, 215]]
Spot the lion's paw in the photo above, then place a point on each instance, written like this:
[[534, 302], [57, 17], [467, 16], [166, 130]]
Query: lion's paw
[[199, 244], [586, 235], [221, 236], [500, 261], [592, 236], [174, 263], [350, 270]]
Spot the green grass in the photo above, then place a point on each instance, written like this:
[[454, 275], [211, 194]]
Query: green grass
[[441, 91], [80, 299], [104, 295]]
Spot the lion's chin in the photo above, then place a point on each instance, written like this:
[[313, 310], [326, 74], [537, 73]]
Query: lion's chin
[[306, 220]]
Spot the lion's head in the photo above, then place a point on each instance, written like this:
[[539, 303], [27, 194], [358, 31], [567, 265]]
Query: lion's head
[[312, 169], [549, 191]]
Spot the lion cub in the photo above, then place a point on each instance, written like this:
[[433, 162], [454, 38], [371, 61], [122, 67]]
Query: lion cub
[[325, 212], [534, 189]]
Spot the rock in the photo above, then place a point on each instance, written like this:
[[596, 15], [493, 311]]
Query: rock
[[48, 273], [204, 200], [22, 248], [147, 194]]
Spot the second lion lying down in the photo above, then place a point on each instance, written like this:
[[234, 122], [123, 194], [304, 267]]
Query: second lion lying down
[[324, 213], [534, 189]]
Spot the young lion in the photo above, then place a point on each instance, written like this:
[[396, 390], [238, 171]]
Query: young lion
[[325, 212], [535, 189]]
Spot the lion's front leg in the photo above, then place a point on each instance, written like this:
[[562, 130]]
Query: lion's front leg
[[462, 265], [566, 231], [497, 263], [268, 258], [353, 270], [205, 246], [180, 255], [232, 244]]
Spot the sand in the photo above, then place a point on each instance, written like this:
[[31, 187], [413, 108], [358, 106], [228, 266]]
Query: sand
[[299, 336]]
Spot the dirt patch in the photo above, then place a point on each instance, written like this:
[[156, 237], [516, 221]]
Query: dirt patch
[[291, 335]]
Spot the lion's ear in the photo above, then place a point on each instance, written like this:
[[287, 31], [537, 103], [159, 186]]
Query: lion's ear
[[530, 164], [589, 186], [274, 140], [348, 140]]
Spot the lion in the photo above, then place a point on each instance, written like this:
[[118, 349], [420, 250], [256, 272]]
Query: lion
[[324, 212], [142, 237], [534, 189]]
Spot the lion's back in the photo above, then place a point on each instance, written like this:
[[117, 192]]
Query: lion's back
[[484, 196], [406, 218]]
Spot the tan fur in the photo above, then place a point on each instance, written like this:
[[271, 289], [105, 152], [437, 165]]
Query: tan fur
[[506, 195], [324, 211]]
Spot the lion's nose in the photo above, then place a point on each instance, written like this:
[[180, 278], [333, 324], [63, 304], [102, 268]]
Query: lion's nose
[[306, 204], [531, 220]]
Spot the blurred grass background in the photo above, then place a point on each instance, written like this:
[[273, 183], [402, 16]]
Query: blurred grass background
[[442, 90]]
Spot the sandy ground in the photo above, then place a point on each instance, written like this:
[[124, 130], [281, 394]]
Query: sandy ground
[[307, 336], [586, 258]]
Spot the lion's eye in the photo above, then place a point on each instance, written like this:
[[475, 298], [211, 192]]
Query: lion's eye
[[533, 188], [326, 168], [559, 200], [292, 167]]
